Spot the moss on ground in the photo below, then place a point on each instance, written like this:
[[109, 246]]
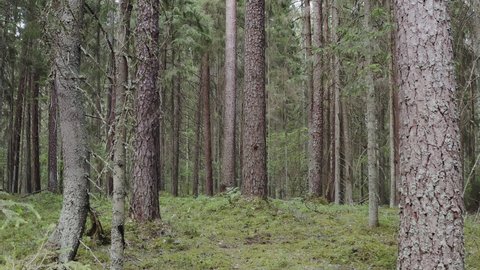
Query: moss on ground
[[225, 233]]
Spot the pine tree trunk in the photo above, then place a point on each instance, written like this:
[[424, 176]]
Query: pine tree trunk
[[372, 129], [17, 131], [347, 146], [196, 154], [316, 121], [254, 134], [431, 202], [336, 96], [119, 157], [207, 136], [52, 138], [73, 130], [27, 145], [229, 138], [145, 204], [175, 130], [35, 137]]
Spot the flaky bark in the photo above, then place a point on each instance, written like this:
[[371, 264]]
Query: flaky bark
[[73, 129], [207, 134], [254, 134], [372, 129], [145, 205], [316, 121], [431, 203], [119, 157], [229, 138]]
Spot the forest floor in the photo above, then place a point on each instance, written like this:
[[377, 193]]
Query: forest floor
[[224, 232]]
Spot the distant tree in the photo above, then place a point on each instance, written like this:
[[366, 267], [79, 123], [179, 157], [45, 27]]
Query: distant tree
[[145, 204], [372, 129], [254, 123], [229, 137], [316, 119], [207, 134], [431, 202], [52, 137]]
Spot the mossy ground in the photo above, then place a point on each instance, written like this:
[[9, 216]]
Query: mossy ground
[[226, 233]]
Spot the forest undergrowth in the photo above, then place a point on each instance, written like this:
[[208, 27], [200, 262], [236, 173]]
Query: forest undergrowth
[[223, 232]]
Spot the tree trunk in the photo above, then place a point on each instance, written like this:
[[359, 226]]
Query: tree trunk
[[336, 103], [347, 146], [52, 138], [207, 136], [17, 131], [196, 153], [254, 135], [119, 157], [73, 130], [145, 205], [175, 130], [228, 155], [372, 128], [27, 145], [431, 202], [35, 138], [316, 122]]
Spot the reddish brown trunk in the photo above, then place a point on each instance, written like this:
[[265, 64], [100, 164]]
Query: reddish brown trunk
[[254, 134], [229, 138], [145, 196]]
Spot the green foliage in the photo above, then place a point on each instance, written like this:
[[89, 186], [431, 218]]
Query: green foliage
[[228, 232], [13, 211]]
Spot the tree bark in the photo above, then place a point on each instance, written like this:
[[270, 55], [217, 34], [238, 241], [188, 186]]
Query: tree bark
[[372, 129], [73, 129], [347, 146], [431, 202], [176, 118], [336, 96], [207, 135], [52, 138], [17, 131], [196, 153], [229, 138], [254, 135], [119, 157], [145, 204], [27, 145], [35, 137], [316, 122]]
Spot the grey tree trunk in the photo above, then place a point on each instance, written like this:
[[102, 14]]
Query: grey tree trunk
[[229, 138], [119, 161], [145, 204], [372, 128], [316, 121], [347, 146], [52, 138], [35, 136], [431, 202], [336, 97], [72, 129], [254, 169], [207, 134]]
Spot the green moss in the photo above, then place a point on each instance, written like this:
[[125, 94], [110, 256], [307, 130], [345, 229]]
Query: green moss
[[227, 232]]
